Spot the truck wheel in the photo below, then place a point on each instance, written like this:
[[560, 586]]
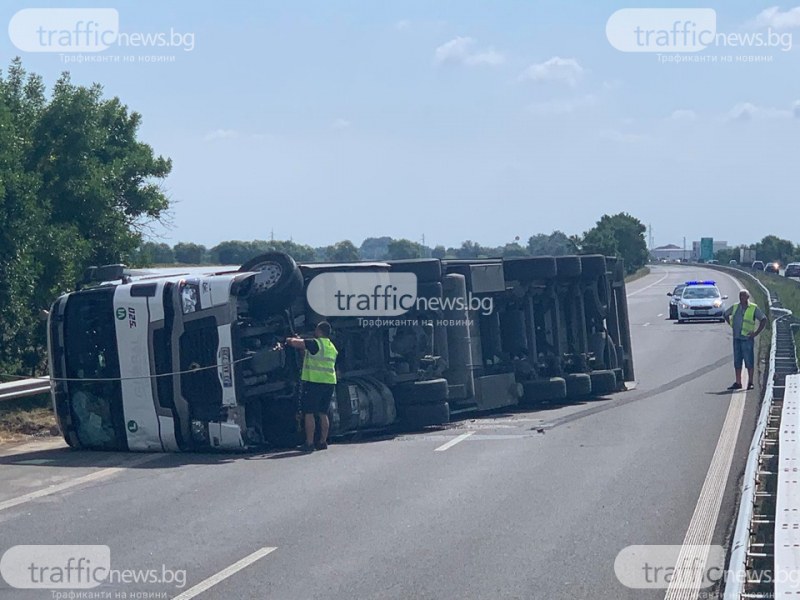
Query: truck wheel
[[620, 375], [543, 390], [429, 290], [603, 382], [579, 385], [277, 281], [433, 391], [568, 266], [527, 269], [427, 270], [424, 415]]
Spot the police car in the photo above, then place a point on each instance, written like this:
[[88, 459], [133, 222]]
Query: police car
[[674, 299], [701, 300]]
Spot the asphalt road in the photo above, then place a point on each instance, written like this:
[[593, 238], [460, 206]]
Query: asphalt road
[[528, 505]]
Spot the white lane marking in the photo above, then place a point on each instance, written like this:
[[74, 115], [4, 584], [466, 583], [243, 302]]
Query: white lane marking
[[646, 325], [224, 574], [60, 487], [647, 287], [660, 315], [688, 578], [454, 441]]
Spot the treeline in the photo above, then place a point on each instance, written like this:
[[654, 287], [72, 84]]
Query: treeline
[[618, 235], [770, 248]]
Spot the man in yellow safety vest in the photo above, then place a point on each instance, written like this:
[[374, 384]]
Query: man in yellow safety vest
[[742, 317], [318, 382]]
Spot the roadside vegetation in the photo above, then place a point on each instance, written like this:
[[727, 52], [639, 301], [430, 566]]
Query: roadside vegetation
[[788, 292]]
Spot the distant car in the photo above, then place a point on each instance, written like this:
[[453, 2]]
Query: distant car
[[675, 296], [701, 300], [713, 261], [792, 270], [757, 265], [733, 263], [772, 267]]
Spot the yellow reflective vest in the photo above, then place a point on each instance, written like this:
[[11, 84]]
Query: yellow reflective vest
[[748, 320], [320, 367]]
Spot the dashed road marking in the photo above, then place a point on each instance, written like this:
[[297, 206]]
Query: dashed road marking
[[224, 574], [454, 441], [60, 487]]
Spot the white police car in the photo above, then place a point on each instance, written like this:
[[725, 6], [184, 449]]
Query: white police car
[[701, 300]]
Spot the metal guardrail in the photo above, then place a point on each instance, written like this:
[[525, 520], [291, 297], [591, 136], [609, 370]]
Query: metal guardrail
[[787, 509], [752, 564], [24, 388]]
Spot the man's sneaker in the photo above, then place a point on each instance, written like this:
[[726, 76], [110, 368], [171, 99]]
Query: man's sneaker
[[321, 446], [735, 386], [750, 386], [307, 448]]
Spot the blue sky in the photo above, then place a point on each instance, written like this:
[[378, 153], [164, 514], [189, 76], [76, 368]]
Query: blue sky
[[455, 120]]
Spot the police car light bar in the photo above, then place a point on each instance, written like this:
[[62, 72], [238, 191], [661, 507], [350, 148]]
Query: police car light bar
[[707, 282]]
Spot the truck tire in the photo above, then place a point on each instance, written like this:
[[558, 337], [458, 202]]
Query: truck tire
[[423, 415], [568, 267], [579, 386], [528, 269], [429, 290], [278, 287], [603, 382], [433, 391], [593, 266], [427, 270], [620, 375], [539, 391]]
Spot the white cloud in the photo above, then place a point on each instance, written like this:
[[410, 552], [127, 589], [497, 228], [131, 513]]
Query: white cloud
[[796, 109], [564, 106], [221, 134], [402, 24], [683, 114], [746, 111], [564, 70], [773, 17], [341, 124], [461, 50]]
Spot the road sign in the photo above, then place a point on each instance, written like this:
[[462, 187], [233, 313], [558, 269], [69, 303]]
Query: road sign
[[706, 249]]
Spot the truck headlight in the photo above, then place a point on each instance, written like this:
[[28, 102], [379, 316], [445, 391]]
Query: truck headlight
[[190, 298]]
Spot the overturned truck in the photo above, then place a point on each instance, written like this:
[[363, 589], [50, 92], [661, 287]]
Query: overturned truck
[[192, 359]]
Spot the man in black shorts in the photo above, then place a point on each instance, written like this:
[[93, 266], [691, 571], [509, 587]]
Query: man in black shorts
[[319, 382]]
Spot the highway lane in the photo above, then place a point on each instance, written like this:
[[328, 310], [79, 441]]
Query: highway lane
[[507, 511]]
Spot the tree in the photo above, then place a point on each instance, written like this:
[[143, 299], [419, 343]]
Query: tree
[[555, 244], [402, 249], [439, 252], [470, 249], [188, 253], [375, 248], [774, 248], [620, 235], [77, 188], [513, 249], [343, 251]]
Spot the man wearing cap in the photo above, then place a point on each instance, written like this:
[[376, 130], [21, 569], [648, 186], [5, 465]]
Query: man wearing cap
[[318, 379], [742, 317]]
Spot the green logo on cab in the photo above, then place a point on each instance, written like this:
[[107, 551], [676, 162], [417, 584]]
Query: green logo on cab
[[121, 313], [133, 426]]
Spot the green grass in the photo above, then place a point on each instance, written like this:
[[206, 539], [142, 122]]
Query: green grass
[[21, 419], [638, 274], [788, 292]]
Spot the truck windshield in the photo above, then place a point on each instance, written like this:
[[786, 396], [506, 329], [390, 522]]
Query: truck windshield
[[91, 353]]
